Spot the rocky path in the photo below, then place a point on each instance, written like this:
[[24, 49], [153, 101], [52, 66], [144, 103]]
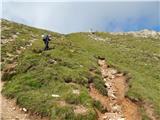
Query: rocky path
[[9, 110], [119, 107]]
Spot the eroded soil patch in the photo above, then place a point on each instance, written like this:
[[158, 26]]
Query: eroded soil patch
[[118, 107]]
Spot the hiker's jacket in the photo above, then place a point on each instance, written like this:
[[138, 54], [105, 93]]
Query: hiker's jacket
[[46, 39]]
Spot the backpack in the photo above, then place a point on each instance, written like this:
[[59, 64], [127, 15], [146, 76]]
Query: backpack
[[45, 37]]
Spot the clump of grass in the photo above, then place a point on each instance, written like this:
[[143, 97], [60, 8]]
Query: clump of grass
[[100, 107], [100, 85], [144, 114]]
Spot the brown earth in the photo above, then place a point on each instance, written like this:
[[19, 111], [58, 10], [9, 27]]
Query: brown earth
[[119, 107]]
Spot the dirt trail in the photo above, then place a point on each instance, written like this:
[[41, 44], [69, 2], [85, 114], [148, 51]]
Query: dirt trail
[[9, 110], [119, 107]]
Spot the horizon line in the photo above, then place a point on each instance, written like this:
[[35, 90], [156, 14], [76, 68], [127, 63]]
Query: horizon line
[[77, 31]]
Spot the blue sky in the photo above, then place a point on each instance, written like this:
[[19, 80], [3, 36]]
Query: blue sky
[[66, 16]]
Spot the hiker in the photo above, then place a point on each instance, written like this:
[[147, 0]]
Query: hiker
[[91, 31], [46, 39]]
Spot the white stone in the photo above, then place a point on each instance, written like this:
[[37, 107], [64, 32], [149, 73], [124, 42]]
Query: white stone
[[54, 95], [76, 92], [24, 109]]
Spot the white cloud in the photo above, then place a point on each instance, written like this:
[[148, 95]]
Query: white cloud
[[80, 16]]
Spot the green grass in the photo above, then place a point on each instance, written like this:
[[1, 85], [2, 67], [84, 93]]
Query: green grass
[[38, 76], [100, 107], [144, 114]]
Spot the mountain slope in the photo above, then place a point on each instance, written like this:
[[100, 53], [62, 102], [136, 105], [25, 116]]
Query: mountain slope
[[56, 82]]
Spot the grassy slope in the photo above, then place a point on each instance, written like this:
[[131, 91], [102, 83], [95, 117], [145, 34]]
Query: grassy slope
[[25, 33], [37, 77]]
